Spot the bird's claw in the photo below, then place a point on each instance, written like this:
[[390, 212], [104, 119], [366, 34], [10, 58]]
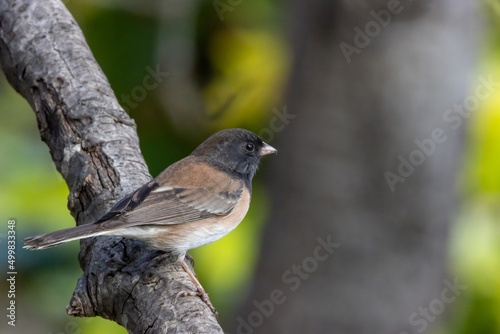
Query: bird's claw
[[203, 295]]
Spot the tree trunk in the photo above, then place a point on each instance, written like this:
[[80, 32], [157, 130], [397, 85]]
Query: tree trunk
[[348, 249], [94, 145]]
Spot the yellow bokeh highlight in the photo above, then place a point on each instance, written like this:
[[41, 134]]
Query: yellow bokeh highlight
[[475, 246], [250, 67], [484, 164]]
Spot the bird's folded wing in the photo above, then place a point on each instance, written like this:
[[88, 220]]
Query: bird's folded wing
[[170, 204]]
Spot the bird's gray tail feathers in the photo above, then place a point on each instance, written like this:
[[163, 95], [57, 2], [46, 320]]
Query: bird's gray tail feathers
[[58, 237]]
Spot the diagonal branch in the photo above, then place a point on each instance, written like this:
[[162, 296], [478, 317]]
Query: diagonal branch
[[94, 145]]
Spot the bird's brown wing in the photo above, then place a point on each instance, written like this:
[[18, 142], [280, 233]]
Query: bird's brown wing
[[169, 203]]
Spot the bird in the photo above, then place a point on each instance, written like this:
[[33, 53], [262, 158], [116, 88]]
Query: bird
[[193, 202]]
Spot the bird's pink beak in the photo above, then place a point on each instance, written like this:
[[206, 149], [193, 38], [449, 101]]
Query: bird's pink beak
[[267, 149]]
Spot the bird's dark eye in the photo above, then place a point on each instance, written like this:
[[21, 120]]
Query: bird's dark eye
[[250, 147]]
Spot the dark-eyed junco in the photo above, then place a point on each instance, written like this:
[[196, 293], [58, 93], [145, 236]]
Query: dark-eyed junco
[[193, 202]]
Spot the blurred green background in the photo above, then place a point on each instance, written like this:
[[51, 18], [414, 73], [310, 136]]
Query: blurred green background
[[128, 39]]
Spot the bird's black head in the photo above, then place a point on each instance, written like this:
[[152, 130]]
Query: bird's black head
[[236, 151]]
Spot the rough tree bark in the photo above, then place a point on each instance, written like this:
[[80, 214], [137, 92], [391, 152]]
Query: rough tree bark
[[94, 145], [354, 120]]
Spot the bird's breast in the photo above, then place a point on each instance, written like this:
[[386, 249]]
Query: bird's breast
[[182, 237]]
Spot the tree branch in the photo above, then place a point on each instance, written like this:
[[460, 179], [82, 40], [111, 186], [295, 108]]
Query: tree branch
[[94, 145]]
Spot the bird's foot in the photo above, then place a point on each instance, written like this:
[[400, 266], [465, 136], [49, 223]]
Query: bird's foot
[[202, 294]]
